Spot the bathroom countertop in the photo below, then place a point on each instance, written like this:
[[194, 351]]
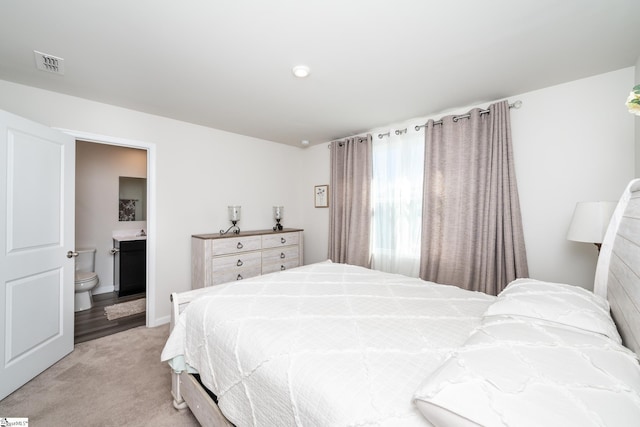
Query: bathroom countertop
[[127, 235], [127, 238]]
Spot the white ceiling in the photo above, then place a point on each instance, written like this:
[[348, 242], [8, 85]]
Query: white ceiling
[[227, 63]]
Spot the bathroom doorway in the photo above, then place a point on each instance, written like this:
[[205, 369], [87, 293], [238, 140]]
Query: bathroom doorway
[[99, 166]]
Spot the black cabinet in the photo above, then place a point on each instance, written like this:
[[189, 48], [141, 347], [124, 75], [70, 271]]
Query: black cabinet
[[131, 267]]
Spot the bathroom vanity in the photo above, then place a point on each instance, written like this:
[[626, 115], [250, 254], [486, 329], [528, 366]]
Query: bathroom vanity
[[130, 264]]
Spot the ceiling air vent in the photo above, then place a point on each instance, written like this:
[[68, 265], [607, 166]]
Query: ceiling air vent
[[46, 62]]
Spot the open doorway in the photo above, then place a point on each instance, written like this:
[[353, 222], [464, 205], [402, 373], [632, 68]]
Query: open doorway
[[101, 177], [110, 212]]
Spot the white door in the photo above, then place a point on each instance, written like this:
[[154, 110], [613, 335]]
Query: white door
[[37, 186]]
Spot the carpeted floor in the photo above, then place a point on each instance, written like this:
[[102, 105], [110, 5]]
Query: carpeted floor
[[116, 380]]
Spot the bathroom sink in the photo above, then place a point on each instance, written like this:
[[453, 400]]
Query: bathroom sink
[[128, 235], [129, 238]]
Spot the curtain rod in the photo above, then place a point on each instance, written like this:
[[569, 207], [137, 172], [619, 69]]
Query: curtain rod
[[341, 142], [515, 105]]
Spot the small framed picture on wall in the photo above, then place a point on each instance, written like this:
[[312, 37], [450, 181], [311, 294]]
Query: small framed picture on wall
[[321, 193]]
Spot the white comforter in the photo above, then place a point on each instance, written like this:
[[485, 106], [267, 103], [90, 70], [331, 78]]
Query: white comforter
[[325, 344], [518, 371]]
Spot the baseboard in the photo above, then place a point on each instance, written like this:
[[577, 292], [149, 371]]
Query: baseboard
[[103, 289], [159, 321]]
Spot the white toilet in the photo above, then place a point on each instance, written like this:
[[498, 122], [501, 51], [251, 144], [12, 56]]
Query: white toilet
[[85, 278]]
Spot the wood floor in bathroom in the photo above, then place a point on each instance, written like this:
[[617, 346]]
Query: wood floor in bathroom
[[91, 324]]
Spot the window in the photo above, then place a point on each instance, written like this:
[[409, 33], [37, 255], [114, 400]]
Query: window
[[396, 199]]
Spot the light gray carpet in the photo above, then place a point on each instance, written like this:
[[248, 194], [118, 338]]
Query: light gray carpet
[[116, 380]]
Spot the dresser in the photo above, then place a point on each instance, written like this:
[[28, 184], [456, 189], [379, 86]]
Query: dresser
[[217, 259]]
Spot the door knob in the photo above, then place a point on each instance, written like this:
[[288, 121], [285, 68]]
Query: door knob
[[72, 254]]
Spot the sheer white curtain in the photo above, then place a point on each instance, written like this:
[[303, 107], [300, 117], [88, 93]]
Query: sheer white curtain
[[396, 200]]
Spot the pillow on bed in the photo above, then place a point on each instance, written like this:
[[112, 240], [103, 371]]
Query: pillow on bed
[[518, 372], [556, 302]]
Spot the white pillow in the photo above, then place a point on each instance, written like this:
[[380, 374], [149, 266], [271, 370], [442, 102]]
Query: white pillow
[[555, 302], [518, 372]]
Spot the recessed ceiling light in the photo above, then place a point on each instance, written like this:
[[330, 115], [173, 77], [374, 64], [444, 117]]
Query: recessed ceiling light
[[301, 71], [304, 142]]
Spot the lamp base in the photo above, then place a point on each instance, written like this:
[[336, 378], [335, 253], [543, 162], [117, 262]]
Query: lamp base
[[234, 229], [278, 226]]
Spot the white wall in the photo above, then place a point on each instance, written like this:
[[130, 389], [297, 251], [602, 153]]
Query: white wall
[[314, 170], [98, 168], [199, 172], [572, 142]]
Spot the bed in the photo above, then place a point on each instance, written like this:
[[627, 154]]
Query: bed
[[335, 344]]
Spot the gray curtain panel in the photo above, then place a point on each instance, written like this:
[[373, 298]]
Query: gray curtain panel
[[472, 233], [350, 201]]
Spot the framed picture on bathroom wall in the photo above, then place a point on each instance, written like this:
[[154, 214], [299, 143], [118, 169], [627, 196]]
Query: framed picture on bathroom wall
[[321, 194]]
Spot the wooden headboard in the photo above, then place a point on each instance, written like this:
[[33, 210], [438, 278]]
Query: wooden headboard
[[623, 275]]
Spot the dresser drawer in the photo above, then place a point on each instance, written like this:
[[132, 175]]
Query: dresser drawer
[[235, 244], [279, 239], [234, 263], [239, 274], [280, 255], [280, 266]]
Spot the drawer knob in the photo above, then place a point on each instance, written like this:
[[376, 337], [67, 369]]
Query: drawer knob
[[283, 240], [239, 277], [239, 263], [282, 267], [239, 245], [282, 255]]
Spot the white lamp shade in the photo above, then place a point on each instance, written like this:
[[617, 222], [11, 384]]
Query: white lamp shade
[[234, 213], [590, 221], [278, 212]]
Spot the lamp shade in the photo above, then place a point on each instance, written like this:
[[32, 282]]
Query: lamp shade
[[234, 213], [590, 221], [278, 212]]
